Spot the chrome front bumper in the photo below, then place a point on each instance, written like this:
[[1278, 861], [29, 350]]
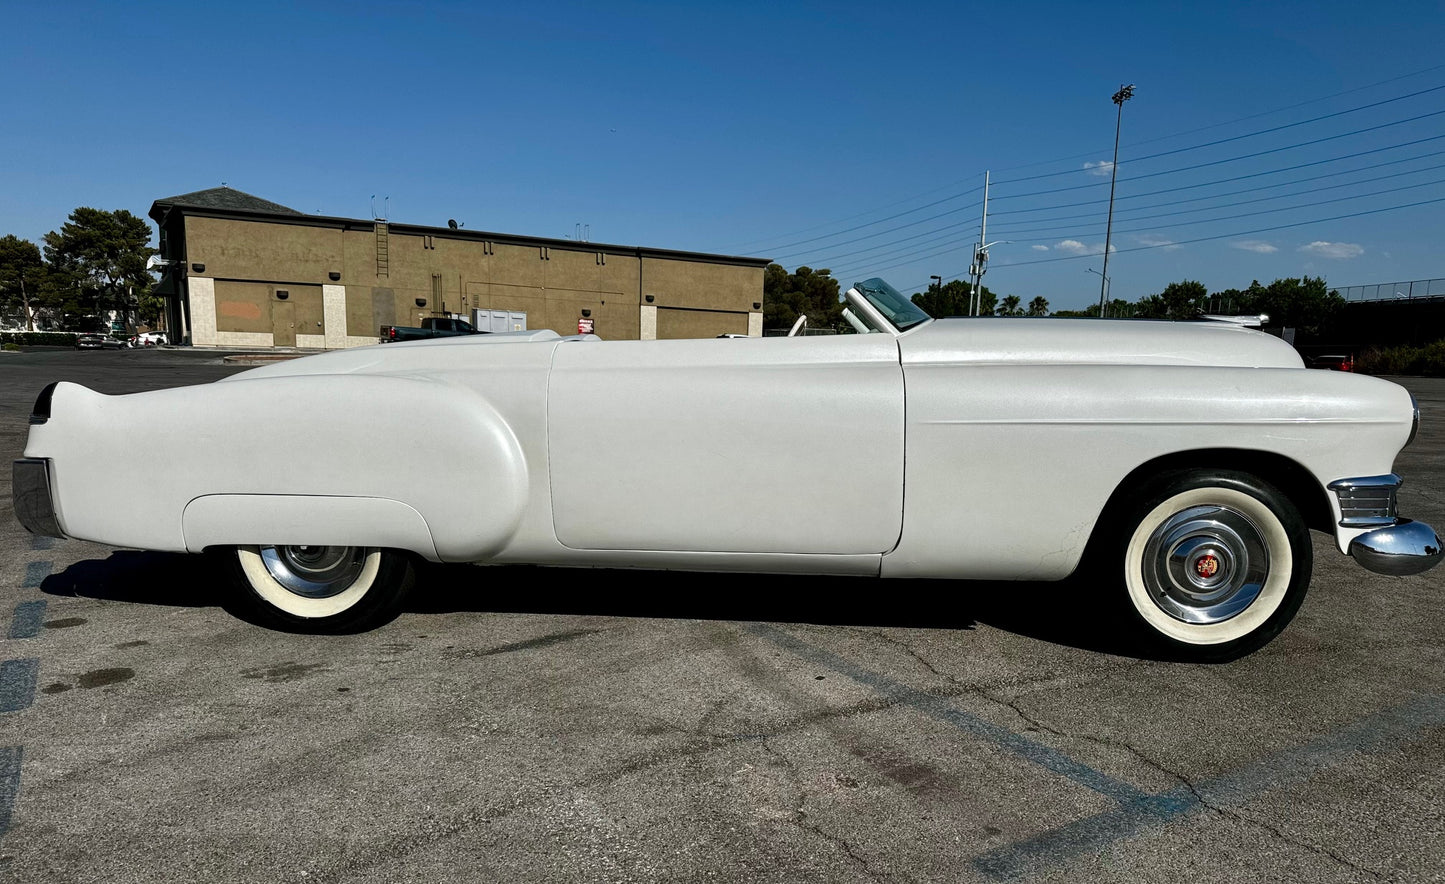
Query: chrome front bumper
[[1394, 546], [30, 491]]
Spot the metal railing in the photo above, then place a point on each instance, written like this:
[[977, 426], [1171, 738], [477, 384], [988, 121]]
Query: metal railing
[[1394, 291]]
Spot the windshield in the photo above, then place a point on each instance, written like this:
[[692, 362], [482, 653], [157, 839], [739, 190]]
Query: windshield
[[895, 307]]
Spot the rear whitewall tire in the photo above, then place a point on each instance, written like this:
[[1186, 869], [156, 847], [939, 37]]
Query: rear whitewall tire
[[364, 589]]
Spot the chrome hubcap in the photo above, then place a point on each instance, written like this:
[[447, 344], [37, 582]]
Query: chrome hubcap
[[316, 572], [1205, 564]]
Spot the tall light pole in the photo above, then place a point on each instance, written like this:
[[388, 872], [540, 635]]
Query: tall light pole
[[1124, 94], [938, 281]]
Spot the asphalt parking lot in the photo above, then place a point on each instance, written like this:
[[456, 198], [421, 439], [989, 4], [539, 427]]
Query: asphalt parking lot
[[525, 724]]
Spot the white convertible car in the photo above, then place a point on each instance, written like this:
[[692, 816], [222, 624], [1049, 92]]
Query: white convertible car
[[1178, 467]]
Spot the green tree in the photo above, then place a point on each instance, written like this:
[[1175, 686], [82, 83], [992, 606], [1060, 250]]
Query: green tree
[[1183, 300], [952, 299], [1009, 306], [806, 291], [104, 254], [21, 274], [1039, 306]]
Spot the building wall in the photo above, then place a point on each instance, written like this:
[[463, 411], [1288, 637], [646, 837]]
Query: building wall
[[342, 282]]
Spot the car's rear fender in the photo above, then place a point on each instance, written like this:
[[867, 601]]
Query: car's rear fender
[[434, 449]]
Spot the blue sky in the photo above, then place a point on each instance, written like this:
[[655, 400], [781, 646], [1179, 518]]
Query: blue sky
[[792, 131]]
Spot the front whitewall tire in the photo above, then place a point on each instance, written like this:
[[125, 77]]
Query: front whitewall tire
[[1275, 585]]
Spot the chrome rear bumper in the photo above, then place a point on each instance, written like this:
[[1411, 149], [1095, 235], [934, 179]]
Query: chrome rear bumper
[[30, 491]]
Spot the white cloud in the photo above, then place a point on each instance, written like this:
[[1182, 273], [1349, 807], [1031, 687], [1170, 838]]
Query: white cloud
[[1103, 168], [1040, 248], [1333, 249], [1074, 247], [1256, 245], [1157, 242]]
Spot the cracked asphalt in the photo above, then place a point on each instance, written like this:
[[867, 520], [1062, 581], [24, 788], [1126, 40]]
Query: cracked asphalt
[[527, 724]]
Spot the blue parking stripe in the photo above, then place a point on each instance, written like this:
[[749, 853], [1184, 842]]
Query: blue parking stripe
[[40, 542], [10, 757], [17, 683], [35, 573], [1383, 730], [28, 620], [940, 709]]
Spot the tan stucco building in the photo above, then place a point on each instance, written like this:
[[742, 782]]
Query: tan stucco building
[[246, 272]]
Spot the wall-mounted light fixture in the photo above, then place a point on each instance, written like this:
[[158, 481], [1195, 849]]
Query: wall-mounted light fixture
[[334, 275], [586, 312], [421, 302], [757, 305], [199, 268], [282, 294], [648, 299]]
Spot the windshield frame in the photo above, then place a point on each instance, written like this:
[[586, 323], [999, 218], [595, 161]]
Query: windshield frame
[[885, 306]]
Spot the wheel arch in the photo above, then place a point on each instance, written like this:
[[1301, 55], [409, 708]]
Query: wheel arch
[[1286, 474]]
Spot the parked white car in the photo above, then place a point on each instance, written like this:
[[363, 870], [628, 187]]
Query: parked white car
[[150, 339], [1175, 469]]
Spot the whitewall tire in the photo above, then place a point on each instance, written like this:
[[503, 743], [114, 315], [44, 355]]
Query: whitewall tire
[[1215, 564], [322, 589]]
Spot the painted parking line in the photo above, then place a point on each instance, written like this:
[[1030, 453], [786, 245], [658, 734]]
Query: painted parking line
[[9, 783], [17, 683], [28, 620], [17, 690], [35, 574], [940, 709], [39, 542], [1384, 730]]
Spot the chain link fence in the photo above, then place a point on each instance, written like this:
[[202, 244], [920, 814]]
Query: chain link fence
[[1394, 291]]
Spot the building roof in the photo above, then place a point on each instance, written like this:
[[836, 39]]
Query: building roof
[[225, 198], [226, 202]]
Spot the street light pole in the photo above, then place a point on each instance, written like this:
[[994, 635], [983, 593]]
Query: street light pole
[[1124, 94], [938, 281]]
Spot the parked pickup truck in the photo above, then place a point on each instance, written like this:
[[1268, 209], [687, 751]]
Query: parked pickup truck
[[431, 327]]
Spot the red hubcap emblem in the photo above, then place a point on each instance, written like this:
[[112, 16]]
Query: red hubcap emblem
[[1206, 566]]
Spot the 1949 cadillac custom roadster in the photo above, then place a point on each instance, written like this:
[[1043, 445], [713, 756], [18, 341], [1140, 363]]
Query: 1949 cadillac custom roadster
[[1182, 464]]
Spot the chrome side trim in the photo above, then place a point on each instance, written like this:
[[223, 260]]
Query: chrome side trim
[[30, 491], [1400, 550], [1367, 502], [1414, 419]]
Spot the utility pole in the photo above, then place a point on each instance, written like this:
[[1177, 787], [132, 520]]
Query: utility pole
[[1124, 94], [980, 255], [1106, 289]]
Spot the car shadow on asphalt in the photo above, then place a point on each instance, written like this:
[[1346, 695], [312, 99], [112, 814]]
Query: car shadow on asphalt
[[1053, 612]]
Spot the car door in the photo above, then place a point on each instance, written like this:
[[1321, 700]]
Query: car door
[[769, 445]]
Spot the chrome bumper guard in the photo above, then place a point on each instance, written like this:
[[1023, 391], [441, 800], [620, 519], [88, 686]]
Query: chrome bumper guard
[[30, 491], [1397, 547]]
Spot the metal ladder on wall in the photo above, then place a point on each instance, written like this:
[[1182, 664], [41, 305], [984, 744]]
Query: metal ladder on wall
[[383, 260]]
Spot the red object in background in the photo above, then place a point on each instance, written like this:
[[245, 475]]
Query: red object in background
[[584, 326], [1334, 363]]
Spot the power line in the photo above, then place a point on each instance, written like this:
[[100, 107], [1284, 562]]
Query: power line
[[1153, 227], [1355, 183], [1016, 233], [1247, 156], [1183, 242], [1220, 141], [1254, 116], [1293, 168], [1156, 139]]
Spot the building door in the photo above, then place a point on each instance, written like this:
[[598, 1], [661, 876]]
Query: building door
[[283, 323]]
